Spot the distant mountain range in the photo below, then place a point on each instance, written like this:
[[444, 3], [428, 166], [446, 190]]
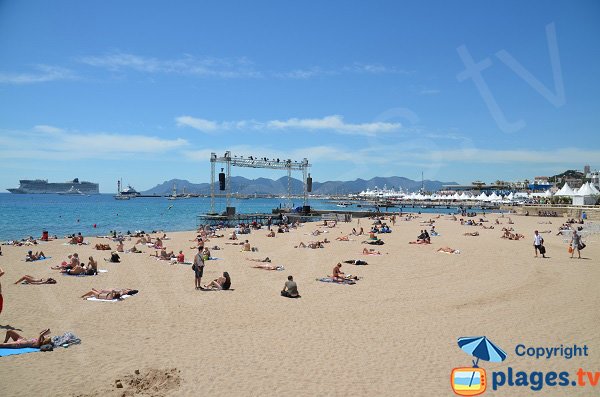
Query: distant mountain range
[[246, 186]]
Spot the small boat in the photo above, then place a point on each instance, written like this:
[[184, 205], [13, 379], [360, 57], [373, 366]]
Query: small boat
[[125, 194], [173, 196], [121, 197], [344, 204]]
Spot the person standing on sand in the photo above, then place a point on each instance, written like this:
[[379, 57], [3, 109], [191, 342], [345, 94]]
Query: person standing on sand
[[1, 298], [576, 244], [538, 242], [198, 268]]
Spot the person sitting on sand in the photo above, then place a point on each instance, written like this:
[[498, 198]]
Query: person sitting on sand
[[120, 247], [158, 243], [266, 260], [290, 289], [471, 234], [180, 257], [268, 267], [27, 279], [271, 233], [30, 257], [339, 275], [135, 250], [142, 240], [361, 232], [221, 283], [115, 258], [92, 267], [448, 250], [19, 342], [370, 251], [233, 236], [246, 246], [109, 294], [343, 238], [102, 247]]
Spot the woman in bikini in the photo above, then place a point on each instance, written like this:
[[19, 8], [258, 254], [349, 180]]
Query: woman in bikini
[[109, 294], [27, 279], [269, 267], [19, 341], [221, 283]]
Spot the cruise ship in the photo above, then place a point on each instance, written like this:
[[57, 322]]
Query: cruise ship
[[40, 186]]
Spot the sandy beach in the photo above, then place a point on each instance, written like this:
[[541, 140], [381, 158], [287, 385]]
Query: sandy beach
[[393, 333]]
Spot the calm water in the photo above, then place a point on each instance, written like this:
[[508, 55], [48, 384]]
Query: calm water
[[29, 214]]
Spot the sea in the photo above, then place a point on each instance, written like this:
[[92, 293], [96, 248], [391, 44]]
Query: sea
[[24, 215]]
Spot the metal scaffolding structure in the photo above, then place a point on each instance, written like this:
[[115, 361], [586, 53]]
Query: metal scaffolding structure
[[254, 162]]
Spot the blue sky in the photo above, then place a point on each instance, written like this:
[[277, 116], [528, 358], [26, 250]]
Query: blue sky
[[146, 90]]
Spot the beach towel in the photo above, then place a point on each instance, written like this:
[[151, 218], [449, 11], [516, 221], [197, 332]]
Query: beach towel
[[94, 299], [23, 350], [331, 280], [41, 259]]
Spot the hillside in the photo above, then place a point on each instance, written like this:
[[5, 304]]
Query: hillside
[[246, 186]]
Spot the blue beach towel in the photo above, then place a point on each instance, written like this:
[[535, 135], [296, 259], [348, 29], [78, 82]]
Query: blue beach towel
[[38, 260], [12, 352]]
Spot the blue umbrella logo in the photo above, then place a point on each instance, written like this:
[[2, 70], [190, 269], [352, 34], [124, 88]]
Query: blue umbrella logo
[[482, 348]]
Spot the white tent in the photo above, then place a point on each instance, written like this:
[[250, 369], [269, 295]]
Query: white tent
[[565, 191], [596, 191], [586, 195], [482, 197]]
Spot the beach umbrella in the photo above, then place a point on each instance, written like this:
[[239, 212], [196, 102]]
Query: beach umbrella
[[482, 348]]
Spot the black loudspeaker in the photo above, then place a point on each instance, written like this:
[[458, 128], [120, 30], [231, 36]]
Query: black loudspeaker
[[221, 181], [230, 211], [309, 184], [306, 209]]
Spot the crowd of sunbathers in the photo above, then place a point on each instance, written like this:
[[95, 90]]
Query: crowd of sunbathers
[[73, 266]]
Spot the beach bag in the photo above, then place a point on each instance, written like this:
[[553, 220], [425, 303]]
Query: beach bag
[[542, 249], [570, 249], [581, 246]]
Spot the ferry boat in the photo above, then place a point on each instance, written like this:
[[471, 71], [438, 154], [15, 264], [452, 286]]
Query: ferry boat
[[42, 186]]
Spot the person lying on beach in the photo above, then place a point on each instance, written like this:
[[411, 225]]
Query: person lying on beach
[[74, 271], [420, 242], [103, 247], [448, 250], [266, 260], [30, 257], [109, 294], [27, 279], [269, 267], [339, 275], [370, 251], [290, 289], [356, 262], [343, 238], [19, 342], [375, 242], [311, 244], [487, 227], [471, 234], [221, 283], [271, 233], [144, 240]]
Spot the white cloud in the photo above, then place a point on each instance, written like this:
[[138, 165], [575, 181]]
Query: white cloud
[[488, 156], [47, 129], [71, 145], [304, 74], [333, 123], [43, 74], [187, 65], [374, 68]]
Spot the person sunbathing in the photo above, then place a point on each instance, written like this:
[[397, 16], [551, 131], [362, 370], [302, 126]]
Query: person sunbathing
[[120, 247], [158, 243], [143, 240], [420, 242], [370, 251], [19, 342], [221, 283], [30, 257], [246, 246], [343, 238], [233, 236], [74, 271], [103, 247], [448, 250], [268, 267], [260, 260], [135, 250], [471, 234], [164, 255], [109, 294], [271, 233], [27, 279]]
